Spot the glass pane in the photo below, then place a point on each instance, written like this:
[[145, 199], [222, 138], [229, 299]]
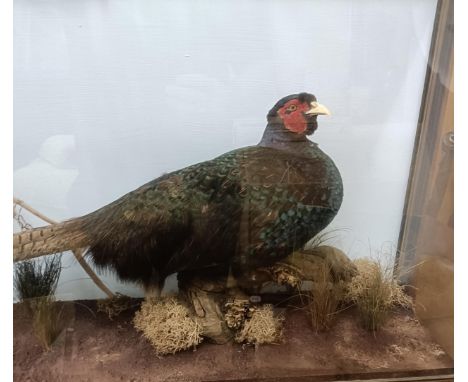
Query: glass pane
[[250, 208]]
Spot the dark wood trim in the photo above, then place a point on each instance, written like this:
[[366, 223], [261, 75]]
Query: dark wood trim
[[435, 375], [428, 136]]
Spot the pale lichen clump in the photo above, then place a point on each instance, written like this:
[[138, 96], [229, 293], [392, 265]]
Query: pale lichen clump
[[375, 292], [168, 325], [263, 327]]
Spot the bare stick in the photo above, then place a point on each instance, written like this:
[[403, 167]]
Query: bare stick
[[35, 212], [78, 253]]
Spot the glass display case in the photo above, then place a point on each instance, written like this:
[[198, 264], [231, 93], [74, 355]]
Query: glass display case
[[233, 190]]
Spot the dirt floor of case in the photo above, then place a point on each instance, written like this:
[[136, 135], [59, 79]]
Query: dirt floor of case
[[94, 348]]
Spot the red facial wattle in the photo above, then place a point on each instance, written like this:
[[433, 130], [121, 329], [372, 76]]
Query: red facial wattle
[[294, 120]]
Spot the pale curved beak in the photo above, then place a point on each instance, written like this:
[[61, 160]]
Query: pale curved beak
[[317, 109]]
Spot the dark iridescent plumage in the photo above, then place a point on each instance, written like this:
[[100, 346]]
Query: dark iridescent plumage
[[247, 208]]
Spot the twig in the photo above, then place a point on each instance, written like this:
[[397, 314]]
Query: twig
[[33, 211]]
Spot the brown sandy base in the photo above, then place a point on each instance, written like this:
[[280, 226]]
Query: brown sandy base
[[93, 348]]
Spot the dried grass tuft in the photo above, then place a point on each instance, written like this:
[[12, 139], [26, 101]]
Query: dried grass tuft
[[35, 282], [47, 321], [324, 298], [263, 327], [37, 278], [168, 325], [375, 292]]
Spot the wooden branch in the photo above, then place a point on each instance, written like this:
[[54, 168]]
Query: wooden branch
[[78, 253], [35, 212]]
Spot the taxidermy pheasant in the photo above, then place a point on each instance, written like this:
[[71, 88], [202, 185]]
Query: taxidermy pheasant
[[248, 208]]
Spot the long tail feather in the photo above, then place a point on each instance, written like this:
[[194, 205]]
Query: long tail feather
[[47, 240]]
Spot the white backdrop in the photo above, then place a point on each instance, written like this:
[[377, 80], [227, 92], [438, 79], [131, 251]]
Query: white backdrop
[[109, 94]]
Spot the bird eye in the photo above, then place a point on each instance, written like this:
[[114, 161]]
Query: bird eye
[[292, 108]]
